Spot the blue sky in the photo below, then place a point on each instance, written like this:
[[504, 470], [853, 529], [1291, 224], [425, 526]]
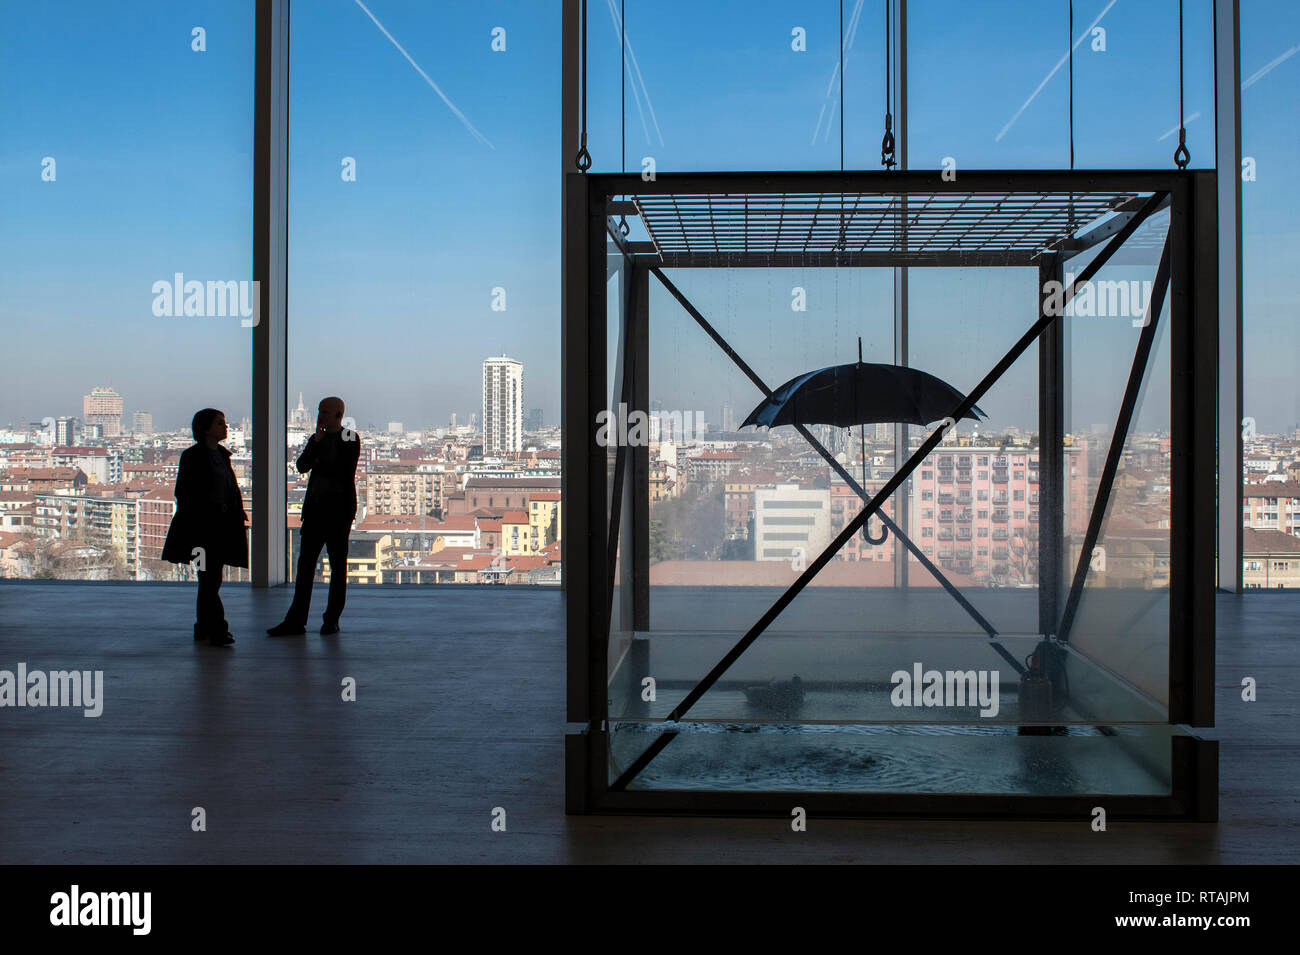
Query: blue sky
[[391, 276]]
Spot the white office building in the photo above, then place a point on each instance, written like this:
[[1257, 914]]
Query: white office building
[[503, 405], [791, 521]]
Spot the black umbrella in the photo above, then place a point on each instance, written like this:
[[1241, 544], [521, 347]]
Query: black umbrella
[[860, 393]]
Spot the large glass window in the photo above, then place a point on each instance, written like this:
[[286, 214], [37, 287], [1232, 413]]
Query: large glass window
[[423, 207], [125, 272], [1270, 101]]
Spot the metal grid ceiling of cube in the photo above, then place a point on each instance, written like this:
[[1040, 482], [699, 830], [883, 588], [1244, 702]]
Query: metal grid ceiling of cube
[[946, 222]]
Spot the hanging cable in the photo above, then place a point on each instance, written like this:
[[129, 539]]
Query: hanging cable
[[887, 143], [1070, 54], [840, 243], [622, 100], [1181, 155], [583, 160], [1071, 38], [622, 82]]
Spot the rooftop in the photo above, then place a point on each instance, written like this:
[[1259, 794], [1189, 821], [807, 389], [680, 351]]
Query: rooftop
[[1260, 541]]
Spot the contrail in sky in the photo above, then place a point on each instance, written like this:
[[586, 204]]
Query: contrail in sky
[[434, 86]]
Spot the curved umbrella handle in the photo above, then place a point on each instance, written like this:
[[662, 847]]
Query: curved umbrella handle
[[866, 534]]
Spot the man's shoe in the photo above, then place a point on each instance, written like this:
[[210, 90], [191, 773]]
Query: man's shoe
[[224, 640], [286, 629], [328, 628]]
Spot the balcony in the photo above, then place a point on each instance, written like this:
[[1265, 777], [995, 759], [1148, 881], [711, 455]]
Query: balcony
[[1000, 477], [999, 517], [964, 498], [945, 533], [999, 533]]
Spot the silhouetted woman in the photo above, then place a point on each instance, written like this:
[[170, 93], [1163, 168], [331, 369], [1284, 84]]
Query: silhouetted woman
[[207, 531]]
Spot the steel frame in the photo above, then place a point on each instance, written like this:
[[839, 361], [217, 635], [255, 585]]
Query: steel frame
[[1191, 255]]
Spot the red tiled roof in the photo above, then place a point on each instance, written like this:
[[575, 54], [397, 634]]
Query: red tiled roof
[[717, 456], [511, 483], [1272, 489], [41, 474], [1255, 540]]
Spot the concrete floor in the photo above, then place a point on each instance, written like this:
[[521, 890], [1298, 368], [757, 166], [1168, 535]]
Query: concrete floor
[[460, 710]]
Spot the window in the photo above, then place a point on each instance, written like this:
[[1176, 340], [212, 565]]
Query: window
[[125, 237]]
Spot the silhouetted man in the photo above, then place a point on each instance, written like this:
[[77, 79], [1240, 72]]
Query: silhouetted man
[[327, 513]]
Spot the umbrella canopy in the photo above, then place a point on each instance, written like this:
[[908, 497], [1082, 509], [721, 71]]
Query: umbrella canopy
[[860, 393]]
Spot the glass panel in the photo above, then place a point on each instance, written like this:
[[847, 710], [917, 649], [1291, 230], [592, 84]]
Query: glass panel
[[422, 291], [623, 432], [1123, 619], [126, 294], [971, 104], [746, 506], [1271, 335], [980, 522], [746, 86]]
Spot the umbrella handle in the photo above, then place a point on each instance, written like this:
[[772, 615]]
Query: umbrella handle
[[866, 534]]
